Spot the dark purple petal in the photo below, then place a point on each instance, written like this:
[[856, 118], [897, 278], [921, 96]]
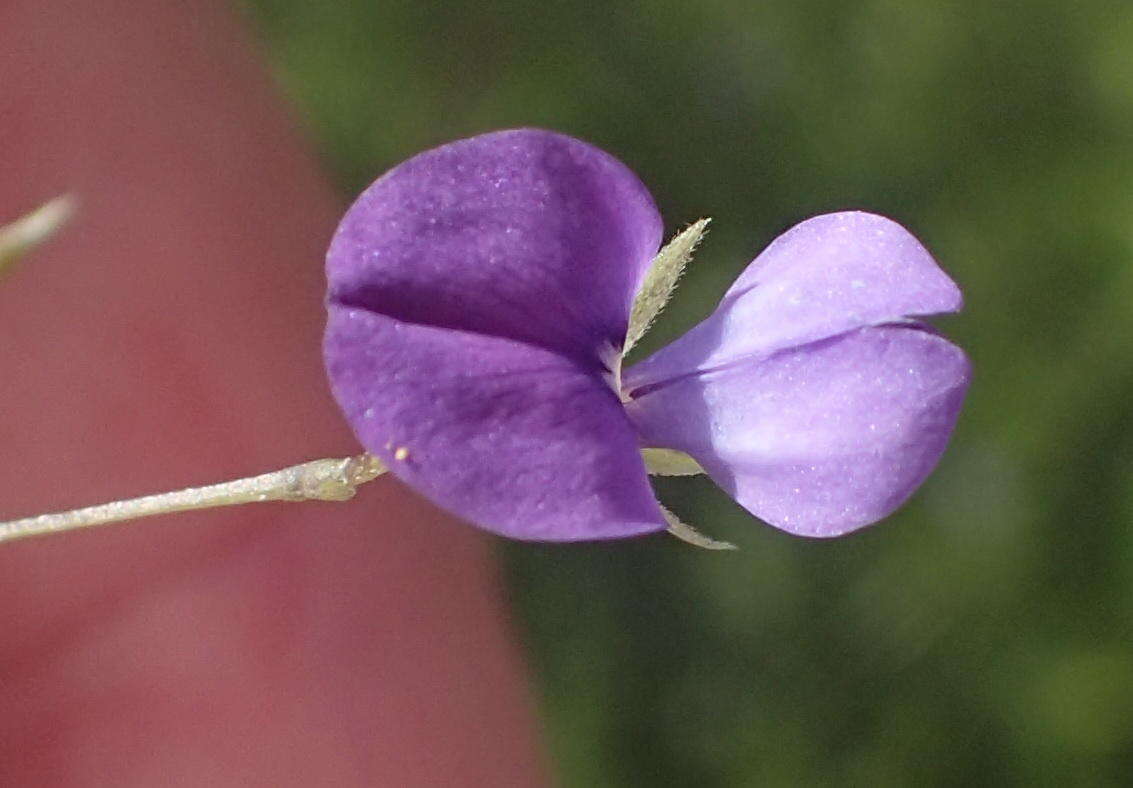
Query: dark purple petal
[[825, 276], [517, 439], [821, 439], [526, 235]]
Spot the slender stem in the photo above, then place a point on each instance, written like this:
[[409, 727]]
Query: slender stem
[[323, 480], [33, 229]]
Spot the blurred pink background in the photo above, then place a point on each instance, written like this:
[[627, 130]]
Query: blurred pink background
[[170, 337]]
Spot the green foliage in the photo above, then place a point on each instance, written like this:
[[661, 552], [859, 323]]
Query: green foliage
[[984, 634]]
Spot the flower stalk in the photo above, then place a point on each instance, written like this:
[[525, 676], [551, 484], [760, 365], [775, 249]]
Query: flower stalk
[[318, 480]]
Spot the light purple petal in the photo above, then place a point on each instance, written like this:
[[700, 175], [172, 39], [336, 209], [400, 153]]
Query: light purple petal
[[519, 440], [825, 276], [525, 234], [821, 439]]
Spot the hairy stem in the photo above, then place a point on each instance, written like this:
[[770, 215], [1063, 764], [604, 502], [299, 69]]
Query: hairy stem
[[322, 480]]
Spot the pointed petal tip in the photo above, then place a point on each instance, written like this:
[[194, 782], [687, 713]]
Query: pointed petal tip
[[880, 235], [825, 276]]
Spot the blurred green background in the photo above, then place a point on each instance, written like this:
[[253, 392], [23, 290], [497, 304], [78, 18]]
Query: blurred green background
[[983, 634]]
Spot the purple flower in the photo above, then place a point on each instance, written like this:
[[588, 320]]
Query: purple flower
[[479, 297]]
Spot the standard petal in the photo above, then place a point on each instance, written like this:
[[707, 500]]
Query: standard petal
[[525, 234], [516, 439], [823, 277], [822, 439]]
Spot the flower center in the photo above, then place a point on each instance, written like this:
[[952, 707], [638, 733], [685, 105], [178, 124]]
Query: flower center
[[611, 358]]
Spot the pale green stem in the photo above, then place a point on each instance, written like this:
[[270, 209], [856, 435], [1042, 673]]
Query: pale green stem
[[321, 480], [17, 238]]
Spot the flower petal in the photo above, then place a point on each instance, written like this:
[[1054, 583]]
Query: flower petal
[[825, 276], [525, 234], [822, 439], [519, 440]]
